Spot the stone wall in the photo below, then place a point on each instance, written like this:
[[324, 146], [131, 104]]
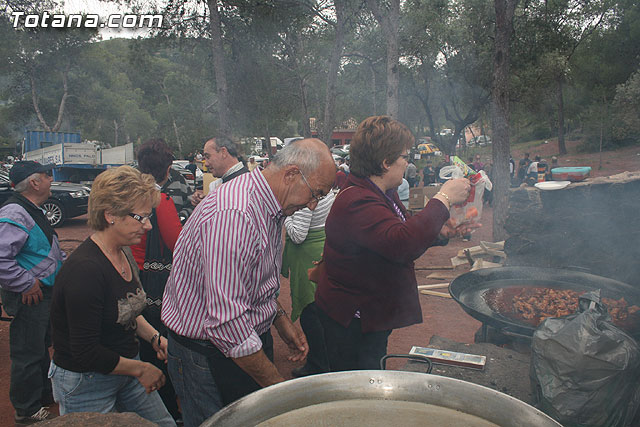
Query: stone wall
[[593, 226]]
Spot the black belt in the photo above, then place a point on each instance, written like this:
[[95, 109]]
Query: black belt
[[206, 348], [200, 346]]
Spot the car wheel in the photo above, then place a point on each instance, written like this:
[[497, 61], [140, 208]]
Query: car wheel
[[54, 212]]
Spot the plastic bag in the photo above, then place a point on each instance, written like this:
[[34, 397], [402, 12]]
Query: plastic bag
[[584, 370], [471, 209]]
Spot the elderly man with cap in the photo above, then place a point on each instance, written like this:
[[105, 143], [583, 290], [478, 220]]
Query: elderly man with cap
[[221, 298], [30, 257]]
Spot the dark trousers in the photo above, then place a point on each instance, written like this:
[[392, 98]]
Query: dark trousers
[[29, 341], [350, 349], [231, 381], [166, 392], [317, 361]]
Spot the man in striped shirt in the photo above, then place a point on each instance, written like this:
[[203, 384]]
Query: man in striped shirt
[[221, 298]]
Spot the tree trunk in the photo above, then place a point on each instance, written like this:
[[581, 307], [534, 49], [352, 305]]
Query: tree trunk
[[173, 119], [115, 127], [306, 126], [328, 121], [500, 114], [388, 18], [562, 149], [217, 50]]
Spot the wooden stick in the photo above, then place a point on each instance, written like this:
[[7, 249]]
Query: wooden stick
[[435, 267], [442, 276], [437, 285], [434, 293]]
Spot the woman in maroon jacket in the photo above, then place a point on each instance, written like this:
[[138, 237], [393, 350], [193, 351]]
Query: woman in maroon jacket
[[369, 286]]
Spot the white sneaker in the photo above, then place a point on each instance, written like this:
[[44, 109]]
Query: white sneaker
[[42, 414]]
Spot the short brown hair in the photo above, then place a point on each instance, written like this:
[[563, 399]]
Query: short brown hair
[[154, 157], [118, 190], [378, 138]]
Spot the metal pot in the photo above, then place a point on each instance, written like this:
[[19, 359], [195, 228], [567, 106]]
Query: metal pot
[[378, 398], [468, 289]]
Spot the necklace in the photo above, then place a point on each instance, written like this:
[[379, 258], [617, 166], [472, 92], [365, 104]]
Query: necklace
[[111, 256]]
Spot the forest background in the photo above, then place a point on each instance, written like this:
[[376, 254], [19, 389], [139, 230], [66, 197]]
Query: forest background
[[517, 70]]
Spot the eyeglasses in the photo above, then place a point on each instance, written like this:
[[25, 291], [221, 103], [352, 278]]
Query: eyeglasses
[[142, 219], [313, 193]]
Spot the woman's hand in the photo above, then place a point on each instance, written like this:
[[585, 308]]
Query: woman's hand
[[457, 190], [449, 230], [151, 377], [160, 347]]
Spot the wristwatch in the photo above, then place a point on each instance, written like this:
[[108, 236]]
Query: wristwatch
[[280, 312]]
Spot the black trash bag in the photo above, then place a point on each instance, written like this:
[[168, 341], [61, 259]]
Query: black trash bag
[[584, 370]]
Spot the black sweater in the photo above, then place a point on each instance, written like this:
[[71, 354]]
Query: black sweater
[[93, 313]]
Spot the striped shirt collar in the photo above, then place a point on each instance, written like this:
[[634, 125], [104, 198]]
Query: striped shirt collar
[[266, 193]]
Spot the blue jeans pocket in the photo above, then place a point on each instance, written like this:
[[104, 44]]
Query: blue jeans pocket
[[67, 381]]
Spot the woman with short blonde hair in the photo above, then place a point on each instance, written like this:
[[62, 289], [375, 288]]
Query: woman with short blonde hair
[[96, 306]]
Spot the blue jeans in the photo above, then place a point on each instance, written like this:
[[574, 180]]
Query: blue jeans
[[95, 392], [193, 383]]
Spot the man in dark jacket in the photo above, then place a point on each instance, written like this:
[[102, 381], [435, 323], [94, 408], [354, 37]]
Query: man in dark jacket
[[30, 258], [223, 160]]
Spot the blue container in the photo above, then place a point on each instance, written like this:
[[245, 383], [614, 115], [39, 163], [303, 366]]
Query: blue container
[[570, 174], [36, 139]]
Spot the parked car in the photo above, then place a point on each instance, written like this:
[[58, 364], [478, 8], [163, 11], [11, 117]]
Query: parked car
[[199, 175], [67, 200], [341, 150], [481, 141], [428, 148]]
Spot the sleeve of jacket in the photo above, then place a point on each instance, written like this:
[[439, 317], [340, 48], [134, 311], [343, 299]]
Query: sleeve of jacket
[[373, 224], [13, 277]]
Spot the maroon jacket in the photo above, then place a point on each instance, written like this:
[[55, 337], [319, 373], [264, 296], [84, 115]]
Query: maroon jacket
[[369, 254]]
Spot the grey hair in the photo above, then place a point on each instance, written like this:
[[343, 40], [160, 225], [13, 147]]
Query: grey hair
[[298, 153], [223, 141], [23, 185]]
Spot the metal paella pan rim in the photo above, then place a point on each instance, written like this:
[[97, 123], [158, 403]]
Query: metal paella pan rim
[[468, 290], [455, 396]]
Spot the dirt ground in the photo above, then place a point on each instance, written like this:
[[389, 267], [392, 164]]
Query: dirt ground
[[441, 316]]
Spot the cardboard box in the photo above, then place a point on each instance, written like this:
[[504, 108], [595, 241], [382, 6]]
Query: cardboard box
[[207, 179], [419, 196], [431, 190]]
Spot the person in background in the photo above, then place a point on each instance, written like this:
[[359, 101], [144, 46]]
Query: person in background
[[512, 168], [477, 164], [428, 174], [30, 258], [180, 192], [343, 166], [341, 178], [523, 165], [532, 171], [221, 298], [192, 167], [251, 165], [304, 243], [411, 174], [403, 193], [553, 165], [369, 285], [222, 158], [96, 308], [154, 254]]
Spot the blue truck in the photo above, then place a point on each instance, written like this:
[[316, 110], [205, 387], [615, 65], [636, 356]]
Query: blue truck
[[75, 160]]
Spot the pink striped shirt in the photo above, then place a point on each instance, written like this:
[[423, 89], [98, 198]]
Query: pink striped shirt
[[226, 264]]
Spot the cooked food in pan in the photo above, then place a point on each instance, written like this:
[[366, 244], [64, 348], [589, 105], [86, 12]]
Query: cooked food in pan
[[532, 305]]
